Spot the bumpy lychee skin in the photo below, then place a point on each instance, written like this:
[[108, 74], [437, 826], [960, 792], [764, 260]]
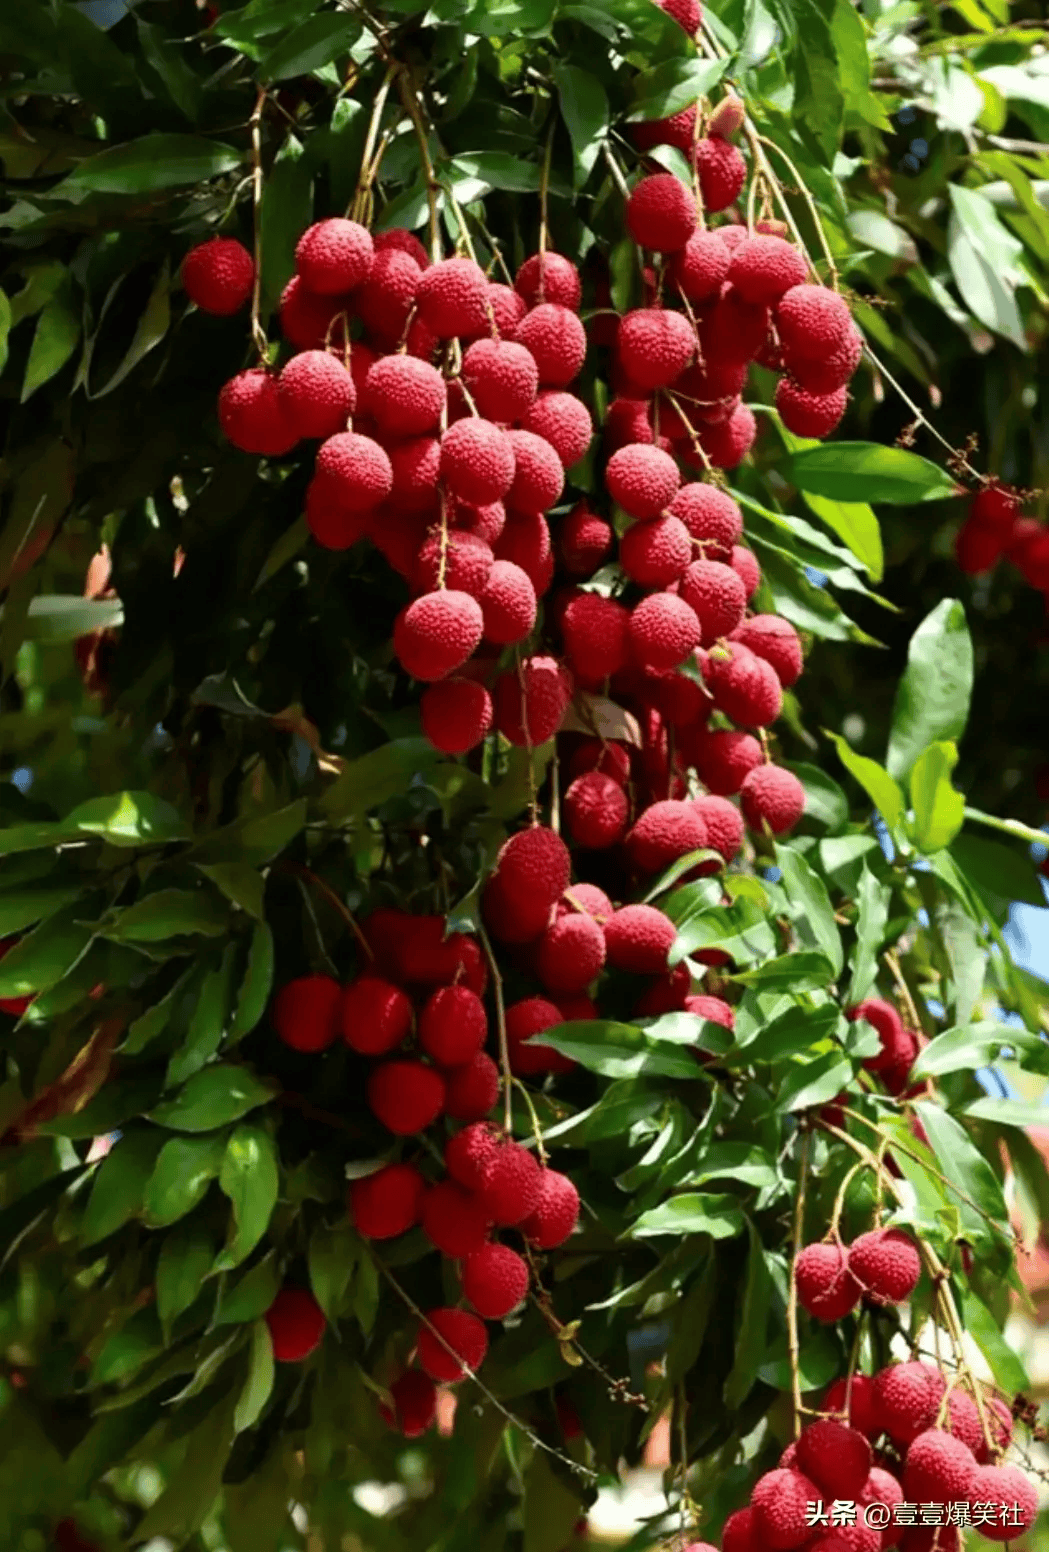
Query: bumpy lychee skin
[[887, 1265], [727, 444], [313, 322], [812, 321], [858, 1401], [358, 468], [825, 1287], [764, 268], [596, 636], [883, 1017], [810, 414], [502, 377], [744, 686], [687, 13], [463, 1332], [529, 706], [701, 267], [477, 461], [664, 832], [655, 553], [938, 1468], [1000, 1422], [596, 811], [745, 562], [296, 1323], [1004, 1486], [556, 1215], [827, 373], [677, 130], [456, 715], [717, 595], [218, 276], [316, 393], [564, 421], [724, 760], [454, 1219], [305, 1013], [882, 1487], [466, 561], [451, 297], [571, 953], [535, 865], [780, 1500], [977, 547], [664, 630], [661, 213], [906, 1399], [770, 795], [334, 256], [414, 1398], [722, 173], [252, 415], [525, 1019], [376, 1016], [557, 341], [495, 1280], [836, 1457], [406, 1096], [775, 639], [508, 604], [510, 1185], [963, 1421], [549, 277], [436, 634], [388, 1202], [511, 920], [384, 301], [638, 938], [472, 1089], [723, 823], [453, 1025], [738, 1534], [711, 516], [404, 396], [539, 475], [714, 1009], [329, 522], [467, 1153], [655, 345]]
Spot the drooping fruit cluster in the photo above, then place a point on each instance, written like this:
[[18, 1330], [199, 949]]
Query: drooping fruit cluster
[[995, 528], [899, 1046], [883, 1266]]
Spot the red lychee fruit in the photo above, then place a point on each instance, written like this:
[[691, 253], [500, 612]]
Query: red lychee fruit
[[775, 639], [557, 341], [510, 920], [502, 378], [963, 1421], [1004, 1487], [595, 754], [456, 715], [587, 898], [477, 461], [462, 1332], [596, 810], [860, 1411], [531, 1016], [764, 268], [296, 1323], [529, 704], [825, 1286], [504, 305], [404, 396], [780, 1501], [387, 1203], [596, 636], [376, 1016], [745, 562], [656, 553], [306, 1012], [701, 267], [655, 345], [836, 1457], [727, 444], [451, 297], [809, 414], [436, 634], [1000, 1423], [907, 1397], [313, 322], [812, 321], [252, 415], [385, 300], [539, 477], [738, 1532], [358, 469], [534, 865], [487, 521], [723, 823], [406, 1096], [414, 1397], [882, 1487], [668, 994], [453, 1025], [467, 1153], [714, 1009], [571, 953], [495, 1279], [642, 479], [663, 631], [724, 760], [334, 256], [722, 172], [886, 1264], [977, 547], [687, 13], [661, 213], [711, 516], [826, 374], [678, 130], [328, 520], [508, 604], [472, 1089], [316, 394], [717, 595], [883, 1017], [938, 1468], [564, 421], [549, 277], [556, 1215], [638, 938], [773, 796], [218, 275], [664, 832], [744, 686], [510, 1184], [453, 1219]]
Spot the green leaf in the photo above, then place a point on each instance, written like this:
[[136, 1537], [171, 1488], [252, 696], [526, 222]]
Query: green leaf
[[56, 617], [964, 1167], [621, 1105], [970, 1046], [551, 1508], [932, 699], [287, 208], [55, 339], [875, 781], [195, 1484], [170, 913], [815, 924], [183, 1172], [206, 1024], [180, 81], [256, 986], [41, 959], [323, 38], [213, 1098], [149, 331], [814, 1083], [939, 810], [674, 86], [983, 257], [857, 525], [498, 170], [694, 1212], [147, 165], [127, 819], [1005, 1363], [825, 802], [22, 910], [868, 472], [368, 781], [154, 1021], [1008, 1112], [252, 1295], [800, 971], [5, 327], [126, 1351], [249, 1178], [873, 898], [243, 885], [618, 1050], [333, 1256], [751, 1322], [258, 1386], [184, 1262], [584, 108], [119, 1186]]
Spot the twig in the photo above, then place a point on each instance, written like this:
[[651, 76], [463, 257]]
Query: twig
[[258, 334], [792, 1297], [500, 1022], [367, 172]]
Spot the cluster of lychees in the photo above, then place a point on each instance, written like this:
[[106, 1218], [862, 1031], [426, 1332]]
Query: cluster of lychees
[[995, 528], [883, 1265]]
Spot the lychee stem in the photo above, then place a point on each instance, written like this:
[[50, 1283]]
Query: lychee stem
[[257, 332], [367, 173], [792, 1297], [500, 1025], [544, 192], [614, 168], [442, 562], [533, 802], [537, 1130], [757, 141], [433, 187]]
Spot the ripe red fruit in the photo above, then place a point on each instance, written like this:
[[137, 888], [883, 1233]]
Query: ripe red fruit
[[387, 1203], [313, 322], [780, 1501], [938, 1468], [495, 1279], [594, 754], [358, 468], [638, 938], [666, 831], [334, 256], [472, 1089], [296, 1323], [508, 604], [642, 479], [1004, 1486], [812, 321], [539, 477], [663, 631], [886, 1264], [502, 378], [329, 521], [596, 810], [451, 297], [535, 866], [510, 1184], [738, 1533], [775, 639], [406, 1096], [477, 461], [564, 421], [384, 301], [557, 341], [557, 1212], [687, 13], [825, 1286], [549, 277], [883, 1017], [723, 823], [252, 415], [715, 1009], [463, 1332], [773, 796], [530, 707], [701, 267], [316, 393], [711, 516], [218, 275], [728, 443], [466, 560], [456, 715], [724, 760], [828, 372], [453, 1025], [571, 953], [809, 414], [414, 1398], [526, 541], [882, 1487], [978, 547], [722, 172], [655, 553], [836, 1457], [677, 130], [404, 396], [588, 899], [1000, 1423], [467, 1153], [596, 636], [996, 505], [745, 562], [453, 1219], [907, 1397], [655, 346], [744, 686], [436, 634], [661, 213], [718, 596], [531, 1016], [376, 1016], [860, 1412], [764, 268], [306, 1013]]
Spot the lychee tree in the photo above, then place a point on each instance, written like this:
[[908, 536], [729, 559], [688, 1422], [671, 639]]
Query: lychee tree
[[447, 950]]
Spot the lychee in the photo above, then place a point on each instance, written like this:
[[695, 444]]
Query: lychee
[[775, 639], [316, 393], [701, 267], [883, 1017], [467, 1153], [677, 130], [554, 1218], [860, 1410], [571, 953], [661, 213], [451, 297], [376, 1016], [764, 268], [495, 1279], [825, 1286], [642, 479], [306, 1013], [638, 938], [664, 630], [384, 301], [502, 378], [596, 810], [437, 633], [723, 823], [526, 541], [508, 604], [809, 414], [358, 467], [463, 1333], [549, 277], [812, 321], [977, 547], [406, 1096], [587, 898], [524, 1019], [738, 1532], [687, 13], [218, 275], [313, 322], [886, 1264], [711, 516], [296, 1323], [472, 1089], [477, 461], [456, 715], [657, 552], [454, 1219], [564, 421], [596, 754], [666, 831], [334, 256], [404, 396], [557, 341], [539, 477], [510, 1184], [252, 414], [717, 595], [827, 373], [938, 1468], [414, 1398], [727, 444], [744, 686], [655, 345], [388, 1202], [724, 759], [780, 1501], [745, 562], [535, 865], [836, 1457], [881, 1487], [722, 172], [596, 633], [1003, 1487], [453, 1025], [530, 703], [455, 560], [773, 796], [1000, 1424], [906, 1399]]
